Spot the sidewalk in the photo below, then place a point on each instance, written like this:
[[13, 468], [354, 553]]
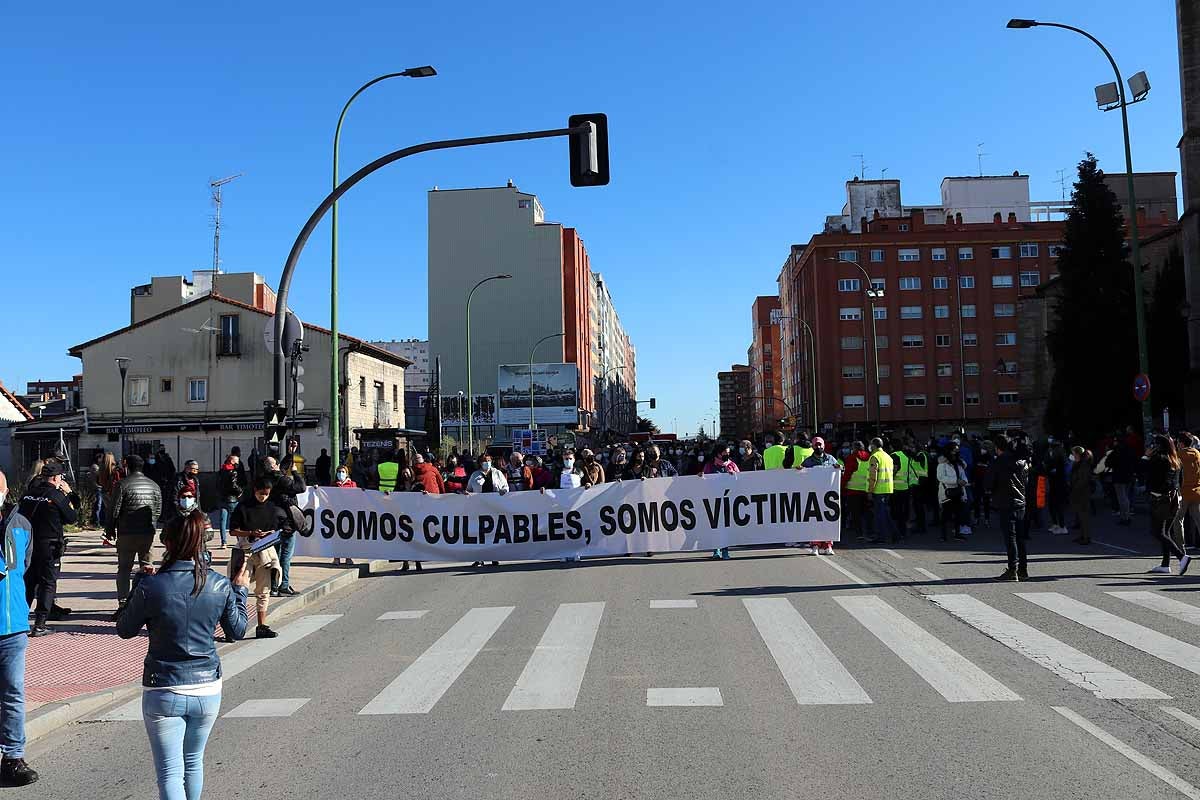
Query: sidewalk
[[84, 655]]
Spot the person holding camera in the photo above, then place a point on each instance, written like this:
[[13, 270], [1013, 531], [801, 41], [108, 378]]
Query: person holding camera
[[256, 517]]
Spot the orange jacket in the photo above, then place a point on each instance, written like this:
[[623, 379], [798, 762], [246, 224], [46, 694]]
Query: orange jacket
[[1189, 479]]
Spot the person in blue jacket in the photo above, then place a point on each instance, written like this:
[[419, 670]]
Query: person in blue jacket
[[14, 637]]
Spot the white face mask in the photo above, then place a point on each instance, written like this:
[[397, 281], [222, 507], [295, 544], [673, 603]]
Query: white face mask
[[341, 476], [187, 503], [568, 463]]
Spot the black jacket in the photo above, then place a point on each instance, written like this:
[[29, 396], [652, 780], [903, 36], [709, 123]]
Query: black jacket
[[137, 503], [1006, 479], [47, 510], [287, 486], [181, 625], [230, 483]]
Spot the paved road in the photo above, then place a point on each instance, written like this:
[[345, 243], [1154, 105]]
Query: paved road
[[907, 673]]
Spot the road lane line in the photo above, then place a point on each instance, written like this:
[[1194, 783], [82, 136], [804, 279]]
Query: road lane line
[[1164, 605], [843, 570], [239, 660], [280, 707], [688, 696], [1115, 547], [401, 615], [1159, 645], [1162, 773], [554, 672], [1063, 660], [672, 603], [927, 573], [808, 666], [950, 674], [1182, 716], [891, 552], [417, 689]]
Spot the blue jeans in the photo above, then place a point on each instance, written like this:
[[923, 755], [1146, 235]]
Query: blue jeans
[[12, 694], [227, 508], [885, 528], [285, 548], [178, 726]]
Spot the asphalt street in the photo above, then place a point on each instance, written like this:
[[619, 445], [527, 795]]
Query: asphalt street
[[906, 673]]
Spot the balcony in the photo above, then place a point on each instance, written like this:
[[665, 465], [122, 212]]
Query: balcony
[[383, 414]]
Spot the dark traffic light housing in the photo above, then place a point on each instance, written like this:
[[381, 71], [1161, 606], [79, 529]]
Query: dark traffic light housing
[[589, 150], [274, 424]]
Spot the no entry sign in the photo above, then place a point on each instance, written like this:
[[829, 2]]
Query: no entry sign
[[1141, 388]]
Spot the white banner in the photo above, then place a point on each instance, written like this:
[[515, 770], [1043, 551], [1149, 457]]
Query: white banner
[[659, 515]]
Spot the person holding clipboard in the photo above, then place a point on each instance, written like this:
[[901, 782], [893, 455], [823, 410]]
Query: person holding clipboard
[[256, 523]]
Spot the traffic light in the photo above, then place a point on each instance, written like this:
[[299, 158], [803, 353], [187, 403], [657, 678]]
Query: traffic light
[[653, 403], [589, 150], [274, 423]]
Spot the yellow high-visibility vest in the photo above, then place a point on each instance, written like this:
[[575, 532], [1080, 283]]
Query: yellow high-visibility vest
[[920, 465], [882, 463], [900, 480], [858, 480], [388, 472], [773, 456]]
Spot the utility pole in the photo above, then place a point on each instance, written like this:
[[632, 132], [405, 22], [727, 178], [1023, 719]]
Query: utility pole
[[216, 197]]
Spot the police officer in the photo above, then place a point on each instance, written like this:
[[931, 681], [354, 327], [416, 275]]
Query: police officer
[[49, 504]]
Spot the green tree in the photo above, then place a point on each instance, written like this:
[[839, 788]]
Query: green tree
[[645, 425], [1166, 330], [1092, 337]]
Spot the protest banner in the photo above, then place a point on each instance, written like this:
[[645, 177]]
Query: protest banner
[[660, 515]]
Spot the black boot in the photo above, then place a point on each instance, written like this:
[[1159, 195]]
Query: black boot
[[418, 563], [15, 772], [58, 613], [264, 632], [117, 614], [1009, 576], [405, 567], [39, 628], [1022, 573]]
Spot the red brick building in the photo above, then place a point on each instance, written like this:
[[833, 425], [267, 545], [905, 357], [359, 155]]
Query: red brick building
[[766, 380]]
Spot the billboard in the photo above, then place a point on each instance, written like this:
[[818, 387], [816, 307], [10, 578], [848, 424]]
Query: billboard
[[484, 408], [555, 394]]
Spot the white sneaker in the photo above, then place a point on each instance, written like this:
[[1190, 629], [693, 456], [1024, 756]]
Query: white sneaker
[[965, 530], [1183, 564], [826, 551], [808, 549], [1160, 570]]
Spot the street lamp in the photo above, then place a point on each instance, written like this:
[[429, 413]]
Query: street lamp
[[470, 397], [532, 350], [335, 428], [123, 368], [763, 378], [873, 293], [812, 365], [1141, 88], [603, 394]]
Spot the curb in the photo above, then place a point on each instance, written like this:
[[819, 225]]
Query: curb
[[53, 716]]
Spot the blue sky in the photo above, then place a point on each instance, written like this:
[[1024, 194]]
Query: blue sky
[[732, 130]]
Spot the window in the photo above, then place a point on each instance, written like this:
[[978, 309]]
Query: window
[[1004, 310], [910, 312], [849, 284], [885, 401], [945, 399], [880, 313], [395, 397], [910, 254], [945, 370], [914, 370], [966, 281], [912, 341], [1031, 278], [848, 255], [885, 371], [852, 401], [941, 282], [914, 401], [1002, 281], [1007, 367], [877, 255], [942, 340], [1007, 398], [938, 254], [852, 343], [972, 398], [231, 343], [164, 385], [362, 391], [853, 314], [852, 372], [970, 339], [904, 227], [1029, 250], [881, 342], [971, 368], [139, 391], [1054, 250], [910, 283], [1004, 251], [966, 254], [1006, 339], [968, 309], [941, 312], [197, 390]]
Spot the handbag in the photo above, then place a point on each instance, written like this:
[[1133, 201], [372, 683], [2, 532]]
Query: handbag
[[954, 493], [299, 523]]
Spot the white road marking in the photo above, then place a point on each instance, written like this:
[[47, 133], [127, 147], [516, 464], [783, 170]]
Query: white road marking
[[672, 603], [843, 570], [809, 667], [282, 707], [689, 696], [926, 573], [1162, 773], [1063, 660], [417, 689], [891, 552], [1159, 645], [1115, 547], [1154, 601], [1182, 716], [240, 660], [554, 672], [950, 674], [401, 615]]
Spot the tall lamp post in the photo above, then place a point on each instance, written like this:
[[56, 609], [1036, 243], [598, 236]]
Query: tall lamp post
[[812, 365], [1140, 90], [603, 394], [872, 293], [123, 368], [471, 397], [335, 427], [532, 350]]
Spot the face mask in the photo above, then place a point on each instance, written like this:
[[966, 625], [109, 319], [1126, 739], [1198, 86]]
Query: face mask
[[745, 451], [187, 503], [150, 460], [341, 476], [485, 465], [568, 463]]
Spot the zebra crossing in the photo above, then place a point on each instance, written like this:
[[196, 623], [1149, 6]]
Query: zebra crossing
[[798, 658]]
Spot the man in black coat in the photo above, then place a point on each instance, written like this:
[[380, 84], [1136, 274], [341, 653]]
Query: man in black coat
[[137, 504], [49, 504], [1006, 479]]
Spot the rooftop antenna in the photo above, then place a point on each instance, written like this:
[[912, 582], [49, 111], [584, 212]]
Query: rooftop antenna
[[883, 173], [979, 154], [1062, 184], [216, 197], [862, 166]]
